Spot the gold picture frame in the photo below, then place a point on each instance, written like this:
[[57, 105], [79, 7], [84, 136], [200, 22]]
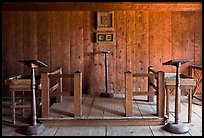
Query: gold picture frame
[[105, 21]]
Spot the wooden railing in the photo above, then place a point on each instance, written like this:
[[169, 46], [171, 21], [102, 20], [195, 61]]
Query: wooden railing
[[153, 89], [47, 91], [196, 72]]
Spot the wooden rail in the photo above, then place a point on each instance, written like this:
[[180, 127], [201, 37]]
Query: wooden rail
[[196, 72], [156, 89], [48, 91], [151, 83]]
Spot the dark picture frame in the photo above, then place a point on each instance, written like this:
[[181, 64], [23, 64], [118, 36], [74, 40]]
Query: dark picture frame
[[105, 21]]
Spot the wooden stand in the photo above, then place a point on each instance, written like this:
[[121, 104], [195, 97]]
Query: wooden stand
[[34, 128], [177, 127], [106, 94]]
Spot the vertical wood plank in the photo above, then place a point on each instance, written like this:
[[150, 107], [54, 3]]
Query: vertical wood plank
[[120, 26], [56, 44], [88, 39], [43, 39], [98, 80], [155, 31], [166, 40], [12, 43], [187, 42], [141, 48], [29, 38], [131, 47], [65, 48], [198, 38], [129, 41], [176, 36], [76, 42], [5, 46], [55, 41], [19, 42]]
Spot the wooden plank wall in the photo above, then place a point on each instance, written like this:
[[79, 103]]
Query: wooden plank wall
[[67, 39]]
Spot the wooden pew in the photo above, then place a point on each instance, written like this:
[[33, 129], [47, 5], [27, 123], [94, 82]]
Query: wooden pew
[[157, 90], [47, 90], [19, 84]]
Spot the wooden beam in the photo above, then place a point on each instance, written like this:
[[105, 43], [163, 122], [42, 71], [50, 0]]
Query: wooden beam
[[61, 75], [151, 70], [128, 94], [77, 94], [45, 95], [101, 6], [108, 122], [144, 93], [160, 94], [144, 75]]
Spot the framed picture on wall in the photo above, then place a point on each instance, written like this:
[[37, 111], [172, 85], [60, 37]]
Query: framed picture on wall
[[105, 21], [105, 37]]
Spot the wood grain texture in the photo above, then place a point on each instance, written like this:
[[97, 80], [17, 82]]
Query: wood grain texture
[[67, 39], [187, 42], [101, 6], [29, 38], [141, 48], [155, 40], [120, 25], [65, 46], [198, 38], [43, 39]]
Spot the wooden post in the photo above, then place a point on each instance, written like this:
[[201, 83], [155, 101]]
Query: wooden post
[[189, 105], [150, 98], [128, 94], [160, 94], [167, 101], [77, 94], [59, 95], [45, 95], [13, 107], [178, 95]]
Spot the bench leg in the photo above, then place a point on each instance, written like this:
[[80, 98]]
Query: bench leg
[[167, 102], [13, 107], [189, 106], [22, 102]]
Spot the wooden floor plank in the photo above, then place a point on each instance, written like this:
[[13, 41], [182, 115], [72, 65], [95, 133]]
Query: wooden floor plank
[[86, 105], [111, 105], [121, 103], [128, 131], [49, 131], [97, 108], [195, 126], [144, 107], [64, 109], [158, 131], [81, 131]]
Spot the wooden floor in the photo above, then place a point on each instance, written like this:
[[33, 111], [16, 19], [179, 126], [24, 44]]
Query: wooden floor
[[95, 107]]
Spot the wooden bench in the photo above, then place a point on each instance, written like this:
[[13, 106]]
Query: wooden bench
[[157, 90], [47, 91], [186, 83], [20, 85], [196, 72]]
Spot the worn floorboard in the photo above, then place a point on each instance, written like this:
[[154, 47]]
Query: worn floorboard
[[114, 107]]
